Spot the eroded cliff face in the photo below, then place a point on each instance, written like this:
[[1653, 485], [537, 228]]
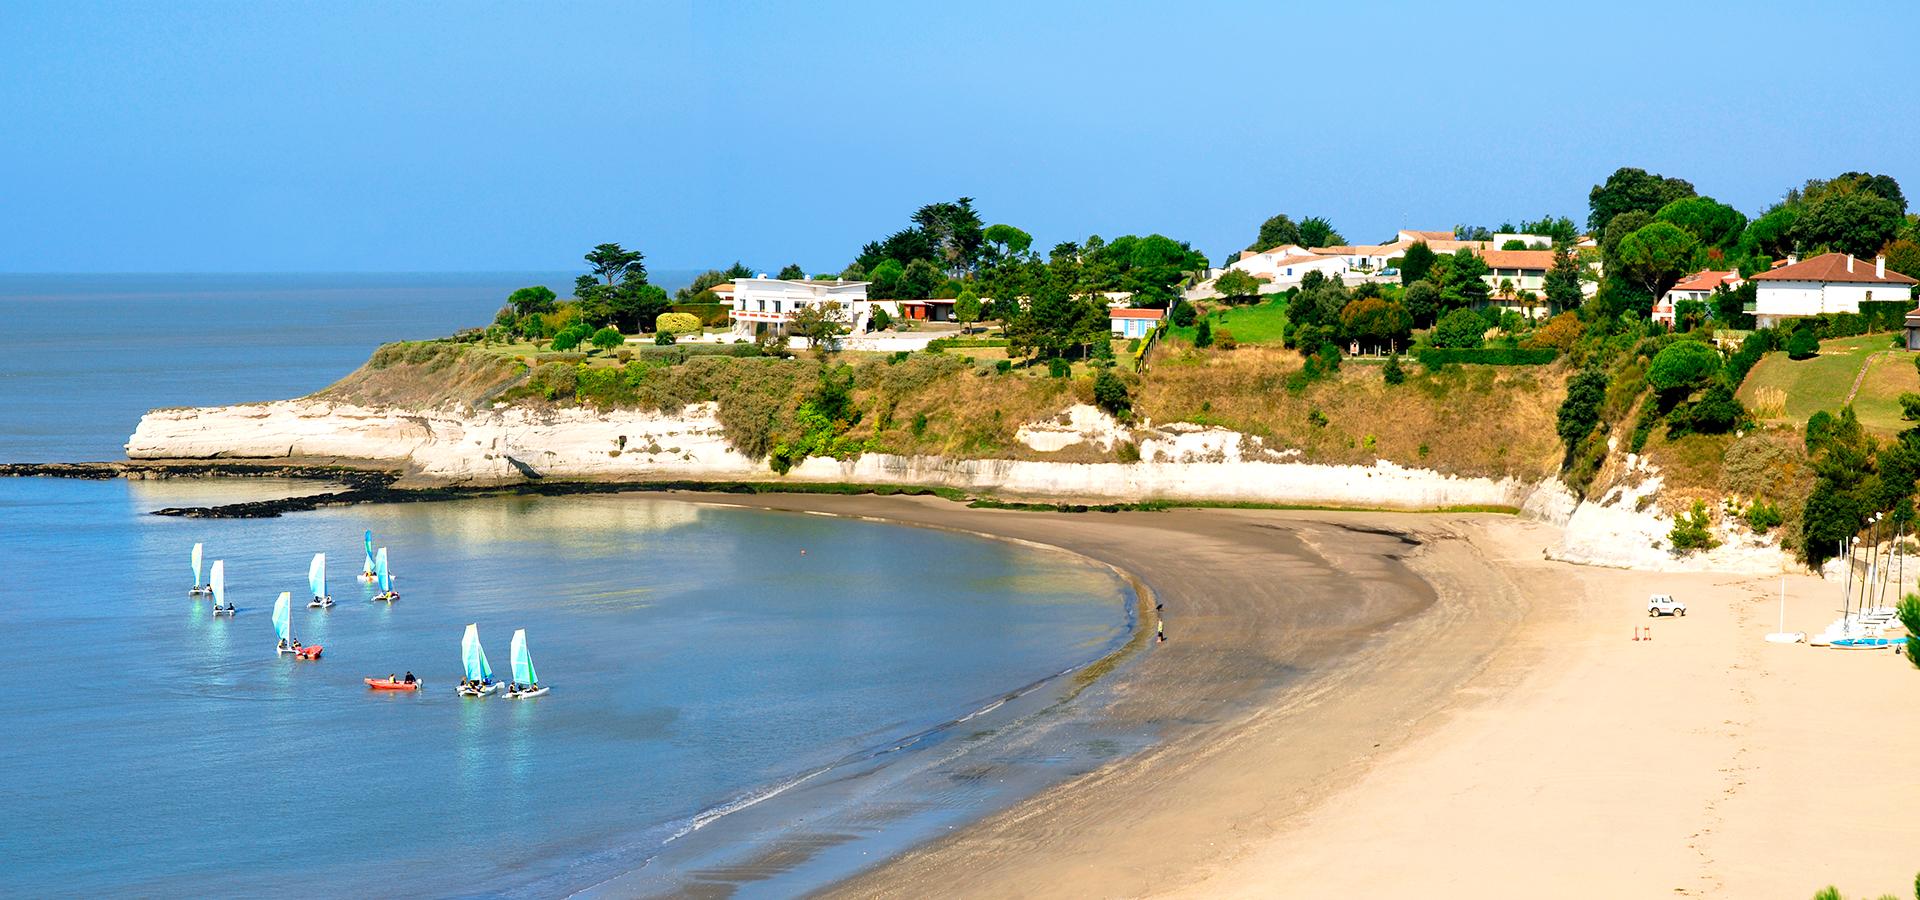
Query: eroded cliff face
[[1177, 462], [503, 445]]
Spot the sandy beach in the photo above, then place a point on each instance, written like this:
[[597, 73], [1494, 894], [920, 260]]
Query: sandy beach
[[1368, 704]]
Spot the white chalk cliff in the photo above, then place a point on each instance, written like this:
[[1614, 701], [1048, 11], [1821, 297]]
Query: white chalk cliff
[[1178, 462]]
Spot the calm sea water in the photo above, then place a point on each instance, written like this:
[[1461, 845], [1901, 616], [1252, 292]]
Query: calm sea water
[[82, 356], [697, 657]]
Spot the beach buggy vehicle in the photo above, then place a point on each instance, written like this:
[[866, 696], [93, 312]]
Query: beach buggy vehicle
[[1665, 605]]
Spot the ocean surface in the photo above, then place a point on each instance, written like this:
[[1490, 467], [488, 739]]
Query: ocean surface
[[720, 677]]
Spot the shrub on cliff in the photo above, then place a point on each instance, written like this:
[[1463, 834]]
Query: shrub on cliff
[[1691, 530], [1683, 366], [1111, 393], [1803, 345], [1460, 328], [1393, 373]]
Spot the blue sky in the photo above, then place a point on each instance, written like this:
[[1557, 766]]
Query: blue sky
[[421, 136]]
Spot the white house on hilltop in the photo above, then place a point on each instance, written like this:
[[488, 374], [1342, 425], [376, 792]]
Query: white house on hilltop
[[1828, 283], [764, 306]]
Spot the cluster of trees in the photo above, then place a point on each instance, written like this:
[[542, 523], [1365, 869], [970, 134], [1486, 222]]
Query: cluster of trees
[[1281, 230], [948, 253], [614, 296], [1323, 311], [1653, 230], [1857, 477]]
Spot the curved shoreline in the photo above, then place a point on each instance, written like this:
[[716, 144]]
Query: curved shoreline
[[1052, 693], [1243, 651]]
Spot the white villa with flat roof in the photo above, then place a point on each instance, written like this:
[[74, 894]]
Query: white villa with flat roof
[[764, 306], [1828, 283]]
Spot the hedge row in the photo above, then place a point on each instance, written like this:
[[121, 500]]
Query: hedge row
[[709, 314], [1434, 357], [938, 344]]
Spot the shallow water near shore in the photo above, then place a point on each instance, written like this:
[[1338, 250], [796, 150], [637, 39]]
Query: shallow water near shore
[[698, 661]]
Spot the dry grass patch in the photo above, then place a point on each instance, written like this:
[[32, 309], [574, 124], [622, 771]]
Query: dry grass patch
[[1468, 420], [425, 375]]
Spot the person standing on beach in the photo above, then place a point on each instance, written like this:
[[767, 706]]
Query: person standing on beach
[[1163, 631]]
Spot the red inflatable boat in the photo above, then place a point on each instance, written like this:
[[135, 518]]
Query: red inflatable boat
[[312, 652], [381, 684]]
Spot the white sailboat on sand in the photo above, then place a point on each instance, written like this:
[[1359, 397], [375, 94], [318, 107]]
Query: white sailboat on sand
[[217, 586], [526, 682], [199, 590], [473, 658], [317, 582]]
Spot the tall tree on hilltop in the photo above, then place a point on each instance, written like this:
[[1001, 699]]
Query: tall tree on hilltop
[[1278, 231], [1415, 264], [1318, 232], [955, 231], [1563, 283], [614, 263], [1655, 257], [1629, 189]]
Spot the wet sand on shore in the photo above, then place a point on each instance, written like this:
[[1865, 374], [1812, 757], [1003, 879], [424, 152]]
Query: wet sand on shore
[[1378, 704]]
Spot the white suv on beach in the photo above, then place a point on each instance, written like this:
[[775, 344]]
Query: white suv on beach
[[1664, 605]]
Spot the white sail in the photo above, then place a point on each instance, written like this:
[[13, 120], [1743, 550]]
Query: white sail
[[283, 616], [196, 565], [522, 660], [380, 571], [317, 575], [473, 657], [219, 579]]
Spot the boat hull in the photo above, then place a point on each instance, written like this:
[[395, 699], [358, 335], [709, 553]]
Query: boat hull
[[381, 684], [522, 695]]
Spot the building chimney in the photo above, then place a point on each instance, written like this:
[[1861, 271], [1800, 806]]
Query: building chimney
[[1880, 266], [1849, 263], [1793, 259]]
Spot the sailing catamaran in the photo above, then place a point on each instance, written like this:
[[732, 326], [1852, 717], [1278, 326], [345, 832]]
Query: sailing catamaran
[[366, 571], [218, 588], [479, 676], [526, 683], [199, 590], [283, 627], [317, 582], [383, 578]]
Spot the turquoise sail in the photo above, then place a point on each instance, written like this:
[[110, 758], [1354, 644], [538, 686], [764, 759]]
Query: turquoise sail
[[474, 657], [369, 545], [522, 660], [317, 575], [283, 616], [196, 565], [380, 571], [219, 579]]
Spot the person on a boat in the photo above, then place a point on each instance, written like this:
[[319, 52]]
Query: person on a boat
[[283, 645], [392, 678], [409, 678]]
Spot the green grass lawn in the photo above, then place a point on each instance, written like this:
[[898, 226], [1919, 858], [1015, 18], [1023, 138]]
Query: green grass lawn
[[1822, 382], [1260, 323]]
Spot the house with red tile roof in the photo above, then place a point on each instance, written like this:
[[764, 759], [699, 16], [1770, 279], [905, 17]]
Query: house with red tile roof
[[1698, 286], [1828, 283], [1128, 322]]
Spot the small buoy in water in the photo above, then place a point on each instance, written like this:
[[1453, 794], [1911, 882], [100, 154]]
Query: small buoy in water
[[803, 551]]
